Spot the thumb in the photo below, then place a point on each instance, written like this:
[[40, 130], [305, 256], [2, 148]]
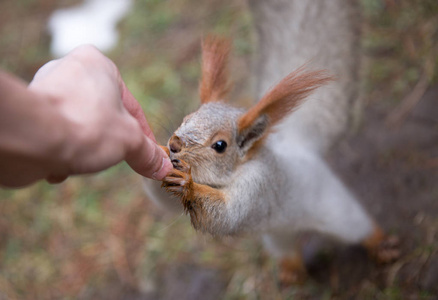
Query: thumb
[[149, 160]]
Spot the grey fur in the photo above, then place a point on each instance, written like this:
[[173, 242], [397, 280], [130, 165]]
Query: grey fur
[[286, 187], [324, 34]]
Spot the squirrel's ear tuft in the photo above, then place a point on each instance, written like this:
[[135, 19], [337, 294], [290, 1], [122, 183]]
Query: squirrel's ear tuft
[[214, 84], [281, 100]]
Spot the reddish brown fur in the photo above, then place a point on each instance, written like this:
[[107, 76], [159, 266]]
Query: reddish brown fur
[[195, 198], [382, 248], [214, 83], [165, 149], [373, 241], [204, 197], [284, 97], [292, 270]]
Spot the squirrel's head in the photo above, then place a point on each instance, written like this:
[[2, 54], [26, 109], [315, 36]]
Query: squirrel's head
[[218, 137]]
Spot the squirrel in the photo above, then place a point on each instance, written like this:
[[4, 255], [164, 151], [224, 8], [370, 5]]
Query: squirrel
[[260, 170]]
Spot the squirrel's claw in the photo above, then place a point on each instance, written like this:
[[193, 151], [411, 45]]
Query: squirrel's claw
[[179, 180], [176, 181], [388, 250], [176, 190], [181, 165]]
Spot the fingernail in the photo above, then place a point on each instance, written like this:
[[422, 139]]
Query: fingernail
[[166, 167]]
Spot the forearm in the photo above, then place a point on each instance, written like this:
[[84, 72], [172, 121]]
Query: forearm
[[32, 133], [75, 117]]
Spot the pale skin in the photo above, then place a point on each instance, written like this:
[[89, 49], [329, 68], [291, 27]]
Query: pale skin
[[75, 117]]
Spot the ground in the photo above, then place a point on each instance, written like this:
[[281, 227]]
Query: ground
[[98, 237]]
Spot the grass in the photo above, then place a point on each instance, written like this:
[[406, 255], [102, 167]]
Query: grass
[[402, 40], [98, 236]]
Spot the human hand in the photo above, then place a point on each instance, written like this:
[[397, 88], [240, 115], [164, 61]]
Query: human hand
[[107, 124]]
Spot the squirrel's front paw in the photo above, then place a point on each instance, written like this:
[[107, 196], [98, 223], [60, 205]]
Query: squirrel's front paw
[[387, 251], [179, 181], [292, 271]]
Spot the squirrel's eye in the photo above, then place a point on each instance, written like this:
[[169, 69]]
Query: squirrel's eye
[[220, 146]]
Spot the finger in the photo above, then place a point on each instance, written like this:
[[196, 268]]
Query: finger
[[165, 149], [43, 71], [55, 179], [149, 160], [134, 108]]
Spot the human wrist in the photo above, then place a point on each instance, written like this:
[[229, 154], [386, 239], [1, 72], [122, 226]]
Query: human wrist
[[33, 136]]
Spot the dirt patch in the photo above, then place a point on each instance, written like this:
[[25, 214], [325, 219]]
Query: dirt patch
[[394, 171]]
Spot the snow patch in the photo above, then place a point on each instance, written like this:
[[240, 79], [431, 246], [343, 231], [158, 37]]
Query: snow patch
[[93, 22]]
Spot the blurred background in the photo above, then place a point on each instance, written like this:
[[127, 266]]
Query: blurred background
[[98, 237]]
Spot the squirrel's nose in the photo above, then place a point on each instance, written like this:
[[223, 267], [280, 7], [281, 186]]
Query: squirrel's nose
[[175, 144]]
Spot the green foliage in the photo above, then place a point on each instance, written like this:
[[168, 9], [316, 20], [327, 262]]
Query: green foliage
[[393, 293]]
